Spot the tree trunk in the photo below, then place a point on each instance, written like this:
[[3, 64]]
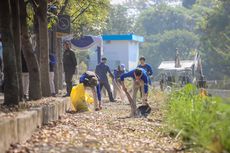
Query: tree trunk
[[36, 32], [30, 56], [43, 47], [54, 50], [60, 64], [10, 72], [17, 43]]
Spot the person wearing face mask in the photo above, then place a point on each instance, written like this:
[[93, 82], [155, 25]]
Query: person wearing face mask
[[140, 81]]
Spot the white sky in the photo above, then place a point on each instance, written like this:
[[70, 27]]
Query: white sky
[[116, 1]]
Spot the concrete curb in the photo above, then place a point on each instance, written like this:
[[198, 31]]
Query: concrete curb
[[20, 128]]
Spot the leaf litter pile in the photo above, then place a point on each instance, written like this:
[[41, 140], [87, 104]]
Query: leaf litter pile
[[109, 130]]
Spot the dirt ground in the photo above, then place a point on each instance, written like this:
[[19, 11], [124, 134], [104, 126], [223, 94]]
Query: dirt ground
[[107, 131]]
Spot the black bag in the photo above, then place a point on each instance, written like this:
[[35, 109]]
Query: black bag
[[144, 110]]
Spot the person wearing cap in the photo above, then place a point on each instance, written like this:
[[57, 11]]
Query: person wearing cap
[[146, 67], [101, 70], [69, 64], [117, 74], [140, 80]]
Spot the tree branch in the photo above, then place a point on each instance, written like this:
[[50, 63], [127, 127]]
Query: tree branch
[[63, 7], [83, 11]]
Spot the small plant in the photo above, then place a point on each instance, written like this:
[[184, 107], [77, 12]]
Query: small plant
[[202, 121]]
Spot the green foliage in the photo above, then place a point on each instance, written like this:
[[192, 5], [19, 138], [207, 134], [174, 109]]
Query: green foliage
[[160, 18], [202, 121], [162, 46], [216, 39], [188, 3], [119, 21]]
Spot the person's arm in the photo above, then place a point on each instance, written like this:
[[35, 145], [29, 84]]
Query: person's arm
[[125, 75], [74, 60], [145, 79], [82, 78], [150, 70], [110, 73]]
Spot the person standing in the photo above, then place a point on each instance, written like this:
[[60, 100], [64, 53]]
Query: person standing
[[52, 63], [140, 80], [101, 70], [69, 64], [146, 67], [25, 78]]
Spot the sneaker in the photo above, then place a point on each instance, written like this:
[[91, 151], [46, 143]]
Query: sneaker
[[53, 95], [114, 100]]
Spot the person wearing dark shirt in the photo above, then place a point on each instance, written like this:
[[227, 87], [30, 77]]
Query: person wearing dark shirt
[[146, 67], [69, 64], [52, 63], [117, 84], [140, 80], [101, 70], [90, 79]]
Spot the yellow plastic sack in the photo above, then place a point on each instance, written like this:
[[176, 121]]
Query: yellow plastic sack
[[79, 98]]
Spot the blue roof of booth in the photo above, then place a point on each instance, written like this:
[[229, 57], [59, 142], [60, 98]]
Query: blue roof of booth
[[123, 37]]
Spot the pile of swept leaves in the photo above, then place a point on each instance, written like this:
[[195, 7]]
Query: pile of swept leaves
[[200, 121]]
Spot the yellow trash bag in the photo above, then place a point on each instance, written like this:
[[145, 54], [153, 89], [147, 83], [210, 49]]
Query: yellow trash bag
[[80, 99]]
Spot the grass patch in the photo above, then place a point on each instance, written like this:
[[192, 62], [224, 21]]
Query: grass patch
[[199, 121]]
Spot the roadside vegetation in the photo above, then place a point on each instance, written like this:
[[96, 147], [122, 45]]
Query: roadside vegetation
[[201, 122]]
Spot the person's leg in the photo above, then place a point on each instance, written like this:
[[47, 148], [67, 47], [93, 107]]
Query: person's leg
[[25, 84], [68, 80], [107, 87], [51, 79], [134, 106], [114, 89], [143, 93], [96, 106]]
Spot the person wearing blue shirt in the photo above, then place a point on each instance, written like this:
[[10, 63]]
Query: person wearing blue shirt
[[146, 67], [89, 79], [140, 80]]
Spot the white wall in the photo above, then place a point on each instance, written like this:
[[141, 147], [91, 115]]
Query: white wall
[[116, 52], [133, 54]]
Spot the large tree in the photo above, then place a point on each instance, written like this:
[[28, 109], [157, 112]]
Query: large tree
[[30, 56], [11, 91], [216, 40], [159, 18], [17, 42], [163, 46], [40, 9], [119, 20]]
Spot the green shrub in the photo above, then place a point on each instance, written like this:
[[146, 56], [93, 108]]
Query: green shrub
[[203, 121]]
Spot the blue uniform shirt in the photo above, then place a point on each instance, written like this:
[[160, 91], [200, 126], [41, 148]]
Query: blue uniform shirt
[[101, 71], [148, 70], [144, 77], [82, 78]]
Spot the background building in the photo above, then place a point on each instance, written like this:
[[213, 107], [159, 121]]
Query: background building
[[119, 49]]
